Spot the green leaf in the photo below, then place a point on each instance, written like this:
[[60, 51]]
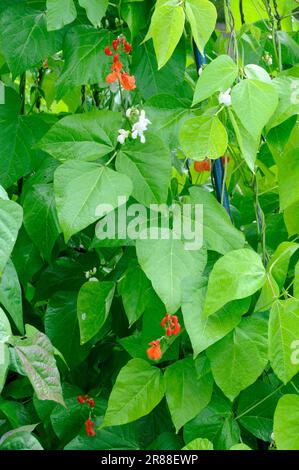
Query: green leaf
[[26, 257], [85, 60], [149, 167], [87, 136], [239, 358], [255, 72], [24, 38], [218, 232], [21, 441], [134, 289], [283, 338], [40, 218], [68, 420], [238, 274], [199, 444], [240, 447], [11, 295], [188, 389], [170, 18], [62, 327], [248, 145], [288, 174], [116, 438], [137, 391], [256, 408], [4, 360], [36, 355], [215, 423], [166, 263], [287, 88], [203, 137], [17, 136], [95, 10], [286, 423], [167, 113], [5, 330], [93, 306], [79, 189], [218, 75], [11, 215], [202, 16], [254, 102], [205, 330], [279, 262], [60, 13], [151, 81]]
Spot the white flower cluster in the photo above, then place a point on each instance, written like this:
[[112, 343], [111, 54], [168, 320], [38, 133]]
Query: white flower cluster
[[225, 98], [268, 59], [90, 274], [138, 127]]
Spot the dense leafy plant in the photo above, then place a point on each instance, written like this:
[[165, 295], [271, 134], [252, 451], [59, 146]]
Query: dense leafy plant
[[116, 343]]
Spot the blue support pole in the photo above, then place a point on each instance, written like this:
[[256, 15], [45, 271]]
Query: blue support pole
[[217, 167]]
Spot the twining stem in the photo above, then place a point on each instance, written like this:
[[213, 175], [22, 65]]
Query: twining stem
[[83, 95], [260, 219], [274, 25], [39, 81], [22, 92], [224, 179], [112, 158], [96, 95], [241, 11]]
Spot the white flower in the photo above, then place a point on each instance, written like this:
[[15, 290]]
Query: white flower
[[225, 98], [131, 111], [268, 59], [140, 127], [123, 135]]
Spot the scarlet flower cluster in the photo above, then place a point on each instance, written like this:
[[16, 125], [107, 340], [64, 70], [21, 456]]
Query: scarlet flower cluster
[[85, 399], [89, 424], [205, 165], [154, 352], [89, 427], [126, 80], [171, 324], [172, 327]]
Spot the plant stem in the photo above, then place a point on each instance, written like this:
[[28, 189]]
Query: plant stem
[[22, 92]]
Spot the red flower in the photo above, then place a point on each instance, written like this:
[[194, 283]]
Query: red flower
[[127, 81], [202, 166], [225, 158], [115, 44], [171, 324], [117, 66], [108, 51], [154, 352], [127, 47], [111, 77], [91, 402], [80, 399], [89, 425]]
